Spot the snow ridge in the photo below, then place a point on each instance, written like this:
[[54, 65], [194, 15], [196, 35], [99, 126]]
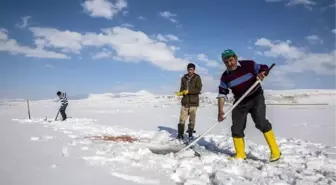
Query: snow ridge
[[272, 97]]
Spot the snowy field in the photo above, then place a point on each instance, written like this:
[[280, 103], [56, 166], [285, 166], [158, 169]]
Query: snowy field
[[41, 151]]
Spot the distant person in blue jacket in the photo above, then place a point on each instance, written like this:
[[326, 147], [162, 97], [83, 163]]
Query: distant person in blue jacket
[[64, 105]]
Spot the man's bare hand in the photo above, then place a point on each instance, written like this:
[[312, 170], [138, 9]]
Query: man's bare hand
[[220, 116], [261, 76]]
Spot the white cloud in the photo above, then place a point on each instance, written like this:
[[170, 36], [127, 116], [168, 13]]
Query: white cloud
[[24, 23], [174, 48], [3, 34], [273, 1], [259, 53], [68, 41], [127, 25], [125, 13], [305, 3], [103, 8], [302, 2], [168, 37], [295, 61], [314, 39], [279, 48], [49, 66], [210, 84], [128, 45], [330, 6], [204, 58], [141, 18], [298, 60], [172, 37], [161, 38], [278, 79], [334, 30], [168, 15], [11, 46], [103, 54], [188, 56]]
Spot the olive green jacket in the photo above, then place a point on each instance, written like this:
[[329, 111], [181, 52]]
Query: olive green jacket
[[194, 86]]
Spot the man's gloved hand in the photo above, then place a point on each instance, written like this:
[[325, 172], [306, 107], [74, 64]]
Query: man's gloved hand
[[182, 93], [185, 92], [179, 93]]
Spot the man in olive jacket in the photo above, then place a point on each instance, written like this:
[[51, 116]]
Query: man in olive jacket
[[191, 86]]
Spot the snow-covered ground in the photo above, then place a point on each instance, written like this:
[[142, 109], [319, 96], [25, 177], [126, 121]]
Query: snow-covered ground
[[37, 151]]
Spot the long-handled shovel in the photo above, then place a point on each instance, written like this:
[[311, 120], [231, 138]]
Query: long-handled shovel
[[57, 115]]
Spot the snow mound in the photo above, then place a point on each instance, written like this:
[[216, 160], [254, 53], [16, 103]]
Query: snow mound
[[301, 96], [313, 97], [139, 94], [144, 98], [11, 102]]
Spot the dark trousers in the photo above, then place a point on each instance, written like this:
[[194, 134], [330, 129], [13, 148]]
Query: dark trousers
[[257, 108], [62, 111]]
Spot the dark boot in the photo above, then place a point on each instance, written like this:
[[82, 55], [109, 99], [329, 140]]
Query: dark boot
[[62, 111], [191, 130], [64, 116], [180, 130]]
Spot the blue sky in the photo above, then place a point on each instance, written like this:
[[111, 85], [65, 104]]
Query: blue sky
[[98, 46]]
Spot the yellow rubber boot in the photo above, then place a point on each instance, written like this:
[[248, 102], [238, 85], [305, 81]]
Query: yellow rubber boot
[[275, 151], [240, 149]]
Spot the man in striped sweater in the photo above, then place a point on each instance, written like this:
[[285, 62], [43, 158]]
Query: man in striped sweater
[[239, 79], [64, 105]]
